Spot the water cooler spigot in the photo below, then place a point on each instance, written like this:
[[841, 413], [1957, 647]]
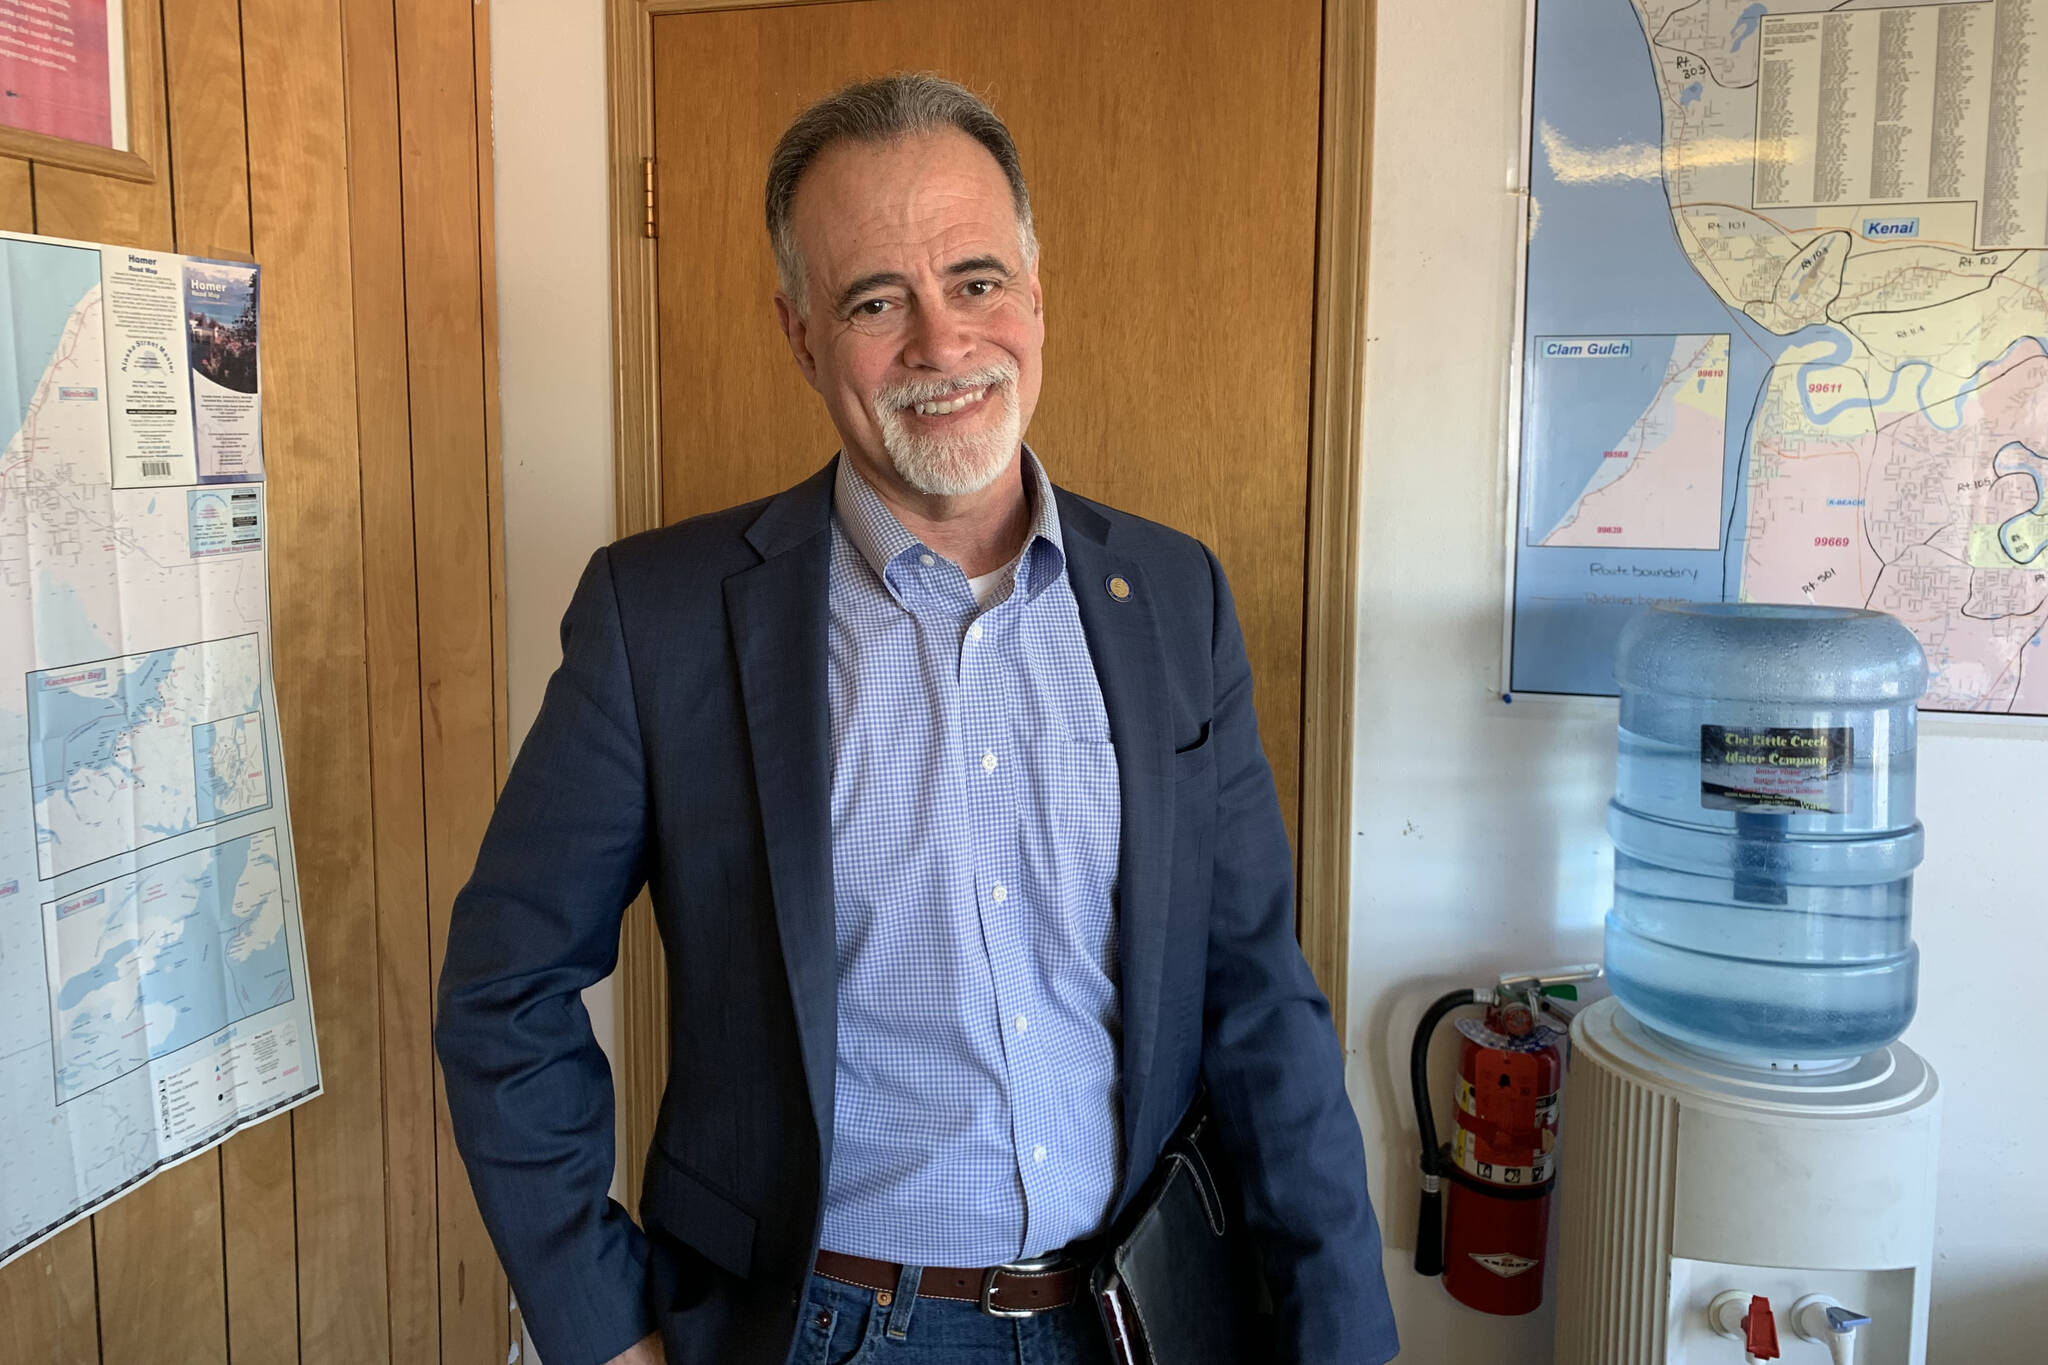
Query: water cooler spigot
[[1745, 1317], [1819, 1318]]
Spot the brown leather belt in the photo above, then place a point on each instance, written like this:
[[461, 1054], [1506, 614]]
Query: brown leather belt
[[1003, 1291]]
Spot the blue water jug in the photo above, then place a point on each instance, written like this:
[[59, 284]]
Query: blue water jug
[[1764, 832]]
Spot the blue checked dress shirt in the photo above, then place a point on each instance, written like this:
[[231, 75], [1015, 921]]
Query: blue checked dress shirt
[[975, 824]]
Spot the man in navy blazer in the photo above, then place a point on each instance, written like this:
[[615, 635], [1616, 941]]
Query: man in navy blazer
[[810, 726]]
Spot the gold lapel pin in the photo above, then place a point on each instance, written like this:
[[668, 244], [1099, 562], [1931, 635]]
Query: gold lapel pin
[[1119, 587]]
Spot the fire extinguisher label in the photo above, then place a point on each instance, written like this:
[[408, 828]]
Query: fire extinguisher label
[[1503, 1264], [1507, 1118], [1467, 1151]]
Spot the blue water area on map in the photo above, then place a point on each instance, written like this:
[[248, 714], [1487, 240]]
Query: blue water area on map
[[107, 969], [1746, 25], [1947, 415], [1691, 94], [194, 972], [40, 283], [2017, 457], [1605, 260]]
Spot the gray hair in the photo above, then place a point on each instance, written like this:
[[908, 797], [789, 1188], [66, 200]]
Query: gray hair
[[883, 110]]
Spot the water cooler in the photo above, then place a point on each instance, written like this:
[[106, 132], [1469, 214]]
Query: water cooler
[[1749, 1154]]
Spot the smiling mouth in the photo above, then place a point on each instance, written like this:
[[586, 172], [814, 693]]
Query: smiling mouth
[[940, 407]]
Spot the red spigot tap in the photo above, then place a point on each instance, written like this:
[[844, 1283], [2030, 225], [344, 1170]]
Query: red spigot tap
[[1760, 1329]]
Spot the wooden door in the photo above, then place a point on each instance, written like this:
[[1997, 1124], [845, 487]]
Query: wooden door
[[1171, 148]]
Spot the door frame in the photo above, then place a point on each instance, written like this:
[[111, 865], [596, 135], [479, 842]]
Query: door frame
[[1335, 473]]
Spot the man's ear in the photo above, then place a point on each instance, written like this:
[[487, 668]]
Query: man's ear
[[795, 330]]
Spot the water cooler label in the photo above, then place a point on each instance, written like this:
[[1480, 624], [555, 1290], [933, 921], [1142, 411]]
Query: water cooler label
[[1775, 768]]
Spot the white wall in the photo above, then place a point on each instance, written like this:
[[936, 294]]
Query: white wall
[[554, 332], [554, 318], [554, 337], [1480, 844]]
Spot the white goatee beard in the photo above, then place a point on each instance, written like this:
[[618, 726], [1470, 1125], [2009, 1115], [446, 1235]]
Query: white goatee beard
[[951, 466]]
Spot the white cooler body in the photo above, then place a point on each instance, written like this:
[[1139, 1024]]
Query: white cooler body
[[1684, 1177]]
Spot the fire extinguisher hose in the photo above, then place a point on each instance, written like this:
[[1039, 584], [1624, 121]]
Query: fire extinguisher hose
[[1429, 1227]]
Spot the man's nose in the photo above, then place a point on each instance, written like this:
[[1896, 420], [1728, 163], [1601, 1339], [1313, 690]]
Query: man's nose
[[938, 339]]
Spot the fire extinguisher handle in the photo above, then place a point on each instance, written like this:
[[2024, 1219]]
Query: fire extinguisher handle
[[1429, 1225]]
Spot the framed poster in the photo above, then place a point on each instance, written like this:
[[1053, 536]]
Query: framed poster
[[1784, 329], [80, 84]]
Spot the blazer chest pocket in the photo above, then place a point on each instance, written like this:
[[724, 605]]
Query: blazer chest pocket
[[693, 1213], [1196, 759], [1194, 818]]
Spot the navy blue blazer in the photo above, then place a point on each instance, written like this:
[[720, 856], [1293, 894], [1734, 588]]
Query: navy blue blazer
[[683, 745]]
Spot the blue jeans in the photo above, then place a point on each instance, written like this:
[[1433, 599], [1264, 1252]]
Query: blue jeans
[[844, 1325]]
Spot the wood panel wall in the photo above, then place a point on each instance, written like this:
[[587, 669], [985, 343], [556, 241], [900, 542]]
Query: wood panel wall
[[344, 145]]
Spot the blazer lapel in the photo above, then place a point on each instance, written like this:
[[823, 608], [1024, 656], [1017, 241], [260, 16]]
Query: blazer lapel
[[779, 610], [1123, 639]]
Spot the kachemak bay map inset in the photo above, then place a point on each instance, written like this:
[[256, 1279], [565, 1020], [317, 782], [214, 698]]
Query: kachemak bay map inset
[[1786, 328]]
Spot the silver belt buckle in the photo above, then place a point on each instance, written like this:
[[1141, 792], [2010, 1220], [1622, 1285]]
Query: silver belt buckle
[[1036, 1265]]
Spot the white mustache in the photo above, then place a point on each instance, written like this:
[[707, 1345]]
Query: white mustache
[[934, 390]]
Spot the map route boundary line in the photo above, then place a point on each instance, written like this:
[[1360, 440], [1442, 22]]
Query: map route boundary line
[[1741, 473]]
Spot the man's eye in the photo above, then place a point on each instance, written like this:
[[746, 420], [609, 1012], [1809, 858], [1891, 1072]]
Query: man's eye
[[979, 288], [870, 308]]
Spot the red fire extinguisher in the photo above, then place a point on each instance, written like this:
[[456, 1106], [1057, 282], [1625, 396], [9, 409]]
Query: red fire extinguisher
[[1501, 1162]]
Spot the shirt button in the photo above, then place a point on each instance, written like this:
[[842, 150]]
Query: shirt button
[[974, 631], [926, 560], [988, 763], [1000, 893], [1038, 1153], [1022, 1023]]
